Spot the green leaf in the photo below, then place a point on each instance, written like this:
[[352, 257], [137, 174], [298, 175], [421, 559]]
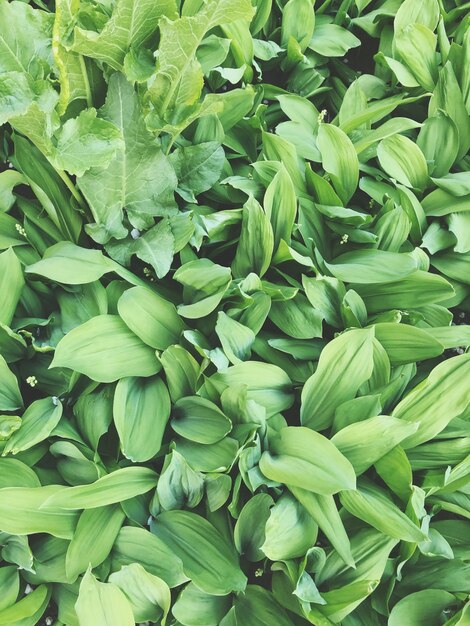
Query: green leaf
[[371, 266], [205, 284], [256, 244], [197, 168], [290, 531], [303, 458], [403, 160], [10, 395], [280, 205], [372, 505], [339, 160], [11, 285], [236, 339], [406, 344], [367, 441], [436, 401], [331, 40], [194, 607], [200, 420], [345, 364], [104, 349], [297, 318], [266, 384], [93, 539], [416, 45], [249, 532], [417, 289], [84, 142], [27, 610], [137, 545], [257, 607], [21, 512], [148, 595], [323, 510], [157, 247], [178, 81], [121, 484], [37, 423], [138, 176], [141, 411], [208, 559], [101, 603], [129, 25], [67, 263], [421, 608], [152, 318]]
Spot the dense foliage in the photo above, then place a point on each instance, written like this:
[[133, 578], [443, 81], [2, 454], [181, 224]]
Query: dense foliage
[[234, 281]]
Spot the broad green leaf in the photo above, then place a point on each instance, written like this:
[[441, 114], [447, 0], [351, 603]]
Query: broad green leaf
[[157, 247], [208, 559], [139, 176], [179, 485], [73, 75], [372, 505], [129, 25], [371, 266], [366, 442], [21, 512], [25, 38], [424, 12], [37, 423], [14, 473], [178, 81], [345, 364], [406, 344], [200, 420], [439, 142], [10, 583], [323, 510], [10, 395], [141, 411], [249, 532], [403, 160], [102, 603], [417, 289], [194, 607], [181, 370], [236, 339], [436, 401], [298, 22], [416, 45], [137, 545], [104, 349], [27, 610], [121, 484], [256, 243], [297, 318], [197, 168], [84, 142], [303, 458], [421, 608], [290, 530], [93, 539], [280, 204], [205, 284], [67, 263], [339, 160], [11, 285], [257, 607], [447, 97], [148, 595], [330, 40], [266, 384]]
